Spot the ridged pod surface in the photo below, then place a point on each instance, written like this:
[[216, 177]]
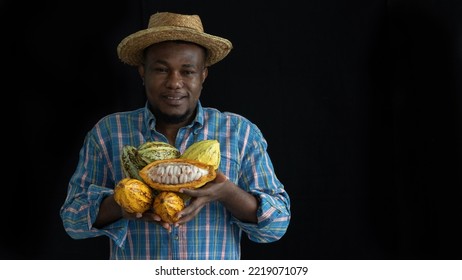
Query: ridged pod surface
[[154, 150], [206, 151], [133, 195], [175, 174], [131, 162], [167, 204], [133, 158]]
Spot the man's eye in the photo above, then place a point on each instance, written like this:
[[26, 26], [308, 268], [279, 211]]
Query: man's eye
[[160, 70]]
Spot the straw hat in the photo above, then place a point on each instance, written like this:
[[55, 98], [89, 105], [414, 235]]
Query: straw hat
[[164, 26]]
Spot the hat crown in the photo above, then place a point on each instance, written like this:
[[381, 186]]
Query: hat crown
[[166, 19]]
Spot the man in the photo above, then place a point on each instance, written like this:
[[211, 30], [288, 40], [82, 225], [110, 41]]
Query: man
[[173, 55]]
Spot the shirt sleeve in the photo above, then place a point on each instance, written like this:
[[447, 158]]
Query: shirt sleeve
[[86, 190], [273, 220], [258, 177]]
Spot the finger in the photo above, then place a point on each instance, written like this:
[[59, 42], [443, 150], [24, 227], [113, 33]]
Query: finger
[[187, 214], [156, 218], [166, 226], [220, 178], [149, 216], [186, 191]]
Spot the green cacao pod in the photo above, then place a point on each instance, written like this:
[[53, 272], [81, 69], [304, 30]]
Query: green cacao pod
[[155, 150], [205, 151], [131, 162]]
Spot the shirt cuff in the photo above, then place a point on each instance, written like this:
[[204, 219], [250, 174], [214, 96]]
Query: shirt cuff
[[117, 230]]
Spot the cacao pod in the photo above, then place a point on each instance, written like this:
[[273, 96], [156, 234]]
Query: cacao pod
[[167, 204], [206, 151], [175, 174], [155, 150], [131, 162], [133, 195]]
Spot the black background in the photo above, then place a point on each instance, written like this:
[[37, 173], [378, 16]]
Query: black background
[[360, 102]]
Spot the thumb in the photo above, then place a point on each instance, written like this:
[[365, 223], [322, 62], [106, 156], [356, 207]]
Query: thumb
[[220, 178]]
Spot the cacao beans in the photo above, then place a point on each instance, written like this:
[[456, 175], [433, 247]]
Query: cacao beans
[[174, 174]]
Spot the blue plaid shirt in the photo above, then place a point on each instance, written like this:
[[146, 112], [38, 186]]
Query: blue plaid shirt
[[214, 233]]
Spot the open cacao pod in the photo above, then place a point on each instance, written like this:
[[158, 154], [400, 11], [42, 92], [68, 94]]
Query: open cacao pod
[[175, 174]]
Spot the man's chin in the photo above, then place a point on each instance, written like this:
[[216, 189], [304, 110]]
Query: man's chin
[[172, 118]]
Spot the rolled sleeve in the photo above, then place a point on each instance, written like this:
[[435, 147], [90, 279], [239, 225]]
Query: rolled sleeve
[[117, 231], [79, 215], [273, 219]]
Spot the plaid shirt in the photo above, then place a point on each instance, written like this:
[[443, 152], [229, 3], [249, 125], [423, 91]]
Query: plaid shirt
[[214, 233]]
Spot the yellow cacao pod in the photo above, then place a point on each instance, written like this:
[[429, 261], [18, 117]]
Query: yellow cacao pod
[[206, 151], [175, 174], [133, 195], [167, 205], [155, 150]]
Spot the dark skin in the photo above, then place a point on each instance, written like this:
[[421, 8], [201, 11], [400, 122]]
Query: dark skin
[[173, 74]]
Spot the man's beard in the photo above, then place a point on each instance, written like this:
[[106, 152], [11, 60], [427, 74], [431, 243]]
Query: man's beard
[[171, 119]]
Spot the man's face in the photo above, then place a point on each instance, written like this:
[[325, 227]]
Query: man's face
[[173, 74]]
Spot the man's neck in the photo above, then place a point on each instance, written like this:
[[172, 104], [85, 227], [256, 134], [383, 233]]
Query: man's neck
[[169, 130]]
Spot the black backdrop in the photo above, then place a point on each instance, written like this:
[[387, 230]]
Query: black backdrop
[[359, 101]]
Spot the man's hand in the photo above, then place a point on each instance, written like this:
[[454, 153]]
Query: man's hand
[[212, 191], [148, 216]]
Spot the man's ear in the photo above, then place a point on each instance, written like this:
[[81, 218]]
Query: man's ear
[[205, 73], [141, 71]]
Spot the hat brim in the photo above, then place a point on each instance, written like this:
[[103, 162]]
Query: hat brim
[[130, 49]]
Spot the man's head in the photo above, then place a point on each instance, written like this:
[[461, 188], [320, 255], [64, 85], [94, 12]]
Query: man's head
[[172, 56]]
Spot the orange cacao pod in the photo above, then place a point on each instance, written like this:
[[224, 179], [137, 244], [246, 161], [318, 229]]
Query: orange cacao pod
[[167, 205]]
